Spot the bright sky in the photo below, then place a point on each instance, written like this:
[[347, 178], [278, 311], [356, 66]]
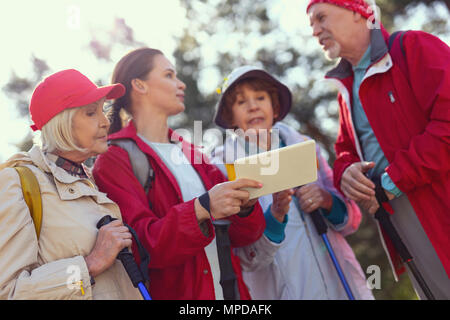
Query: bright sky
[[58, 31]]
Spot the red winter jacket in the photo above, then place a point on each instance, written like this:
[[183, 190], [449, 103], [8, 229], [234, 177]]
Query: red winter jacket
[[411, 120], [178, 268]]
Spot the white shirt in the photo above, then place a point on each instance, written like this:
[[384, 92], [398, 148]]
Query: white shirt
[[191, 186]]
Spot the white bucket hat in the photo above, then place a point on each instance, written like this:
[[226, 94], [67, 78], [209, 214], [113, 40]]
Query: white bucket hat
[[246, 72]]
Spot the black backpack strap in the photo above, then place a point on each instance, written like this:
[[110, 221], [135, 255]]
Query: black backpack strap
[[392, 38], [398, 52], [139, 162]]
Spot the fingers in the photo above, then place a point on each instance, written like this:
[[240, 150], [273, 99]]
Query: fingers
[[111, 239], [115, 230], [355, 184], [242, 195], [309, 204], [283, 202], [127, 243], [366, 166], [306, 191], [371, 206], [309, 207], [356, 192], [245, 183], [114, 223]]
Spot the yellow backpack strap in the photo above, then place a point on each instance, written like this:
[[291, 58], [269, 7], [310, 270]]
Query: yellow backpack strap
[[32, 195]]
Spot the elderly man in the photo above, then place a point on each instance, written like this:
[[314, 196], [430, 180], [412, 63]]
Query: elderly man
[[394, 123]]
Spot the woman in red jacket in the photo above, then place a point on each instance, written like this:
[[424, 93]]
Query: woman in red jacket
[[172, 220]]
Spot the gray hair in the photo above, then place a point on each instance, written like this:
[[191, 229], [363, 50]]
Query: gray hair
[[57, 134]]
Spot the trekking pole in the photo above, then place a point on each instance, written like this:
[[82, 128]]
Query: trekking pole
[[384, 219], [227, 275], [126, 257], [321, 228]]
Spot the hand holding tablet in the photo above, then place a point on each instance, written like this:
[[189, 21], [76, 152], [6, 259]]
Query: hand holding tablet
[[279, 169]]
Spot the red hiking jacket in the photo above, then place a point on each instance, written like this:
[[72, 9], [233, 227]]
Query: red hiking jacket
[[179, 268], [411, 120]]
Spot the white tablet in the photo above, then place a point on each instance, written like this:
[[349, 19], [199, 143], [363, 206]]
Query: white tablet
[[279, 169]]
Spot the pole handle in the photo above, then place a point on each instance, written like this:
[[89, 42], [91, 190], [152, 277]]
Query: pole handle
[[319, 222], [130, 265]]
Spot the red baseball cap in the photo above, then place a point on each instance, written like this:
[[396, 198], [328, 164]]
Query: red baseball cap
[[359, 6], [66, 89]]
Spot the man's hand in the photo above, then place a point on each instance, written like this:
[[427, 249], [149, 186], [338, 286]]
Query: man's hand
[[370, 206], [355, 185]]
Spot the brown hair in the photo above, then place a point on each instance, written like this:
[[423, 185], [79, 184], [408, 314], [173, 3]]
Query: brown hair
[[256, 84], [134, 65]]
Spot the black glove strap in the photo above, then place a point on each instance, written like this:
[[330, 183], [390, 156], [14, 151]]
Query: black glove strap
[[380, 194], [246, 212], [204, 201], [145, 257]]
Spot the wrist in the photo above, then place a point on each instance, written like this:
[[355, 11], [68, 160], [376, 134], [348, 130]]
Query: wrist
[[274, 230], [201, 213], [92, 265], [328, 203], [279, 216]]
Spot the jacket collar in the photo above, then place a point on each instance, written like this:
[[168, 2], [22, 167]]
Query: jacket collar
[[67, 186], [196, 157], [130, 132], [378, 49]]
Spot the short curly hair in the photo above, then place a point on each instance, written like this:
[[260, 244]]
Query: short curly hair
[[256, 84]]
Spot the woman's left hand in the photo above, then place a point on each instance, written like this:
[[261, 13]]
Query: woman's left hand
[[312, 197]]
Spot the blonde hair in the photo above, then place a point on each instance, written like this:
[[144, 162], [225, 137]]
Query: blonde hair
[[57, 134]]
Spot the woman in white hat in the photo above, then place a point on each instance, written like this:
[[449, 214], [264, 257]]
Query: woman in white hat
[[289, 261], [63, 256]]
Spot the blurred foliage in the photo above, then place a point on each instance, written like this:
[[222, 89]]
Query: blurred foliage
[[205, 54]]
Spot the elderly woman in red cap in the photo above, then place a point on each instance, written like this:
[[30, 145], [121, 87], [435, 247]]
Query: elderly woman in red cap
[[63, 256], [393, 142]]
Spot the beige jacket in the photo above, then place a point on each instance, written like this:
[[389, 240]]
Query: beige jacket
[[52, 267]]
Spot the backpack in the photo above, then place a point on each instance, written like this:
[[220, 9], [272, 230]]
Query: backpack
[[145, 175], [32, 195], [139, 163]]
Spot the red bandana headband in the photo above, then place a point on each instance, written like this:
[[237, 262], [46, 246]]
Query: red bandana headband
[[359, 6]]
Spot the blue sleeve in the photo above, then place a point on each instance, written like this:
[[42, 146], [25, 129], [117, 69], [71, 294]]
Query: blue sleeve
[[274, 229], [388, 185], [338, 211]]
